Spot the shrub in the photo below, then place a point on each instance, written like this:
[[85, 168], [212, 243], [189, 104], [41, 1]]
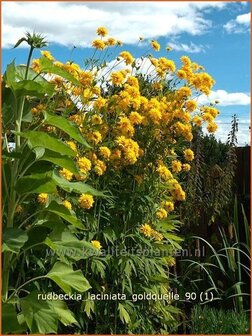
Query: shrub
[[96, 165]]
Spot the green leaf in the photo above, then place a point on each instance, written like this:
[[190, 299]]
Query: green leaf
[[39, 316], [63, 212], [19, 42], [10, 74], [78, 187], [13, 240], [66, 126], [89, 307], [36, 183], [61, 160], [9, 108], [32, 88], [69, 246], [13, 154], [42, 139], [68, 279], [9, 320], [63, 313], [36, 236], [47, 66], [123, 314], [173, 237], [20, 74]]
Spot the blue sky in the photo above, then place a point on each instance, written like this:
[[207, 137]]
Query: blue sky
[[214, 34]]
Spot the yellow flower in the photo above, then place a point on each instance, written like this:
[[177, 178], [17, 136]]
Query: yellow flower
[[146, 230], [155, 115], [188, 154], [178, 193], [36, 65], [111, 41], [130, 149], [191, 105], [125, 127], [164, 172], [96, 119], [66, 174], [181, 74], [85, 78], [84, 164], [128, 58], [72, 145], [98, 44], [86, 201], [212, 127], [161, 213], [102, 31], [67, 204], [78, 119], [186, 60], [166, 65], [58, 64], [105, 152], [100, 103], [35, 111], [155, 45], [117, 78], [42, 198], [186, 167], [176, 166], [135, 118], [197, 120], [100, 167], [96, 244], [95, 137], [212, 110], [156, 235], [169, 206], [207, 117], [38, 109], [47, 54], [133, 81], [184, 91]]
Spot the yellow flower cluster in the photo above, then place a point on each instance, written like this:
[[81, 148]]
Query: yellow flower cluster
[[133, 121], [86, 201], [149, 232], [130, 149]]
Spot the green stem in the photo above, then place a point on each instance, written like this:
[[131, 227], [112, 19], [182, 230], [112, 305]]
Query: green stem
[[6, 271], [28, 62], [28, 218], [22, 101], [26, 283], [12, 193]]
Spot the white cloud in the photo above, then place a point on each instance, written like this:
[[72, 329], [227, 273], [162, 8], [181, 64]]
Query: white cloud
[[240, 24], [225, 98], [74, 23], [189, 48]]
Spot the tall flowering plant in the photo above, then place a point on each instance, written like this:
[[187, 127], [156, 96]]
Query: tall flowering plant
[[99, 152]]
